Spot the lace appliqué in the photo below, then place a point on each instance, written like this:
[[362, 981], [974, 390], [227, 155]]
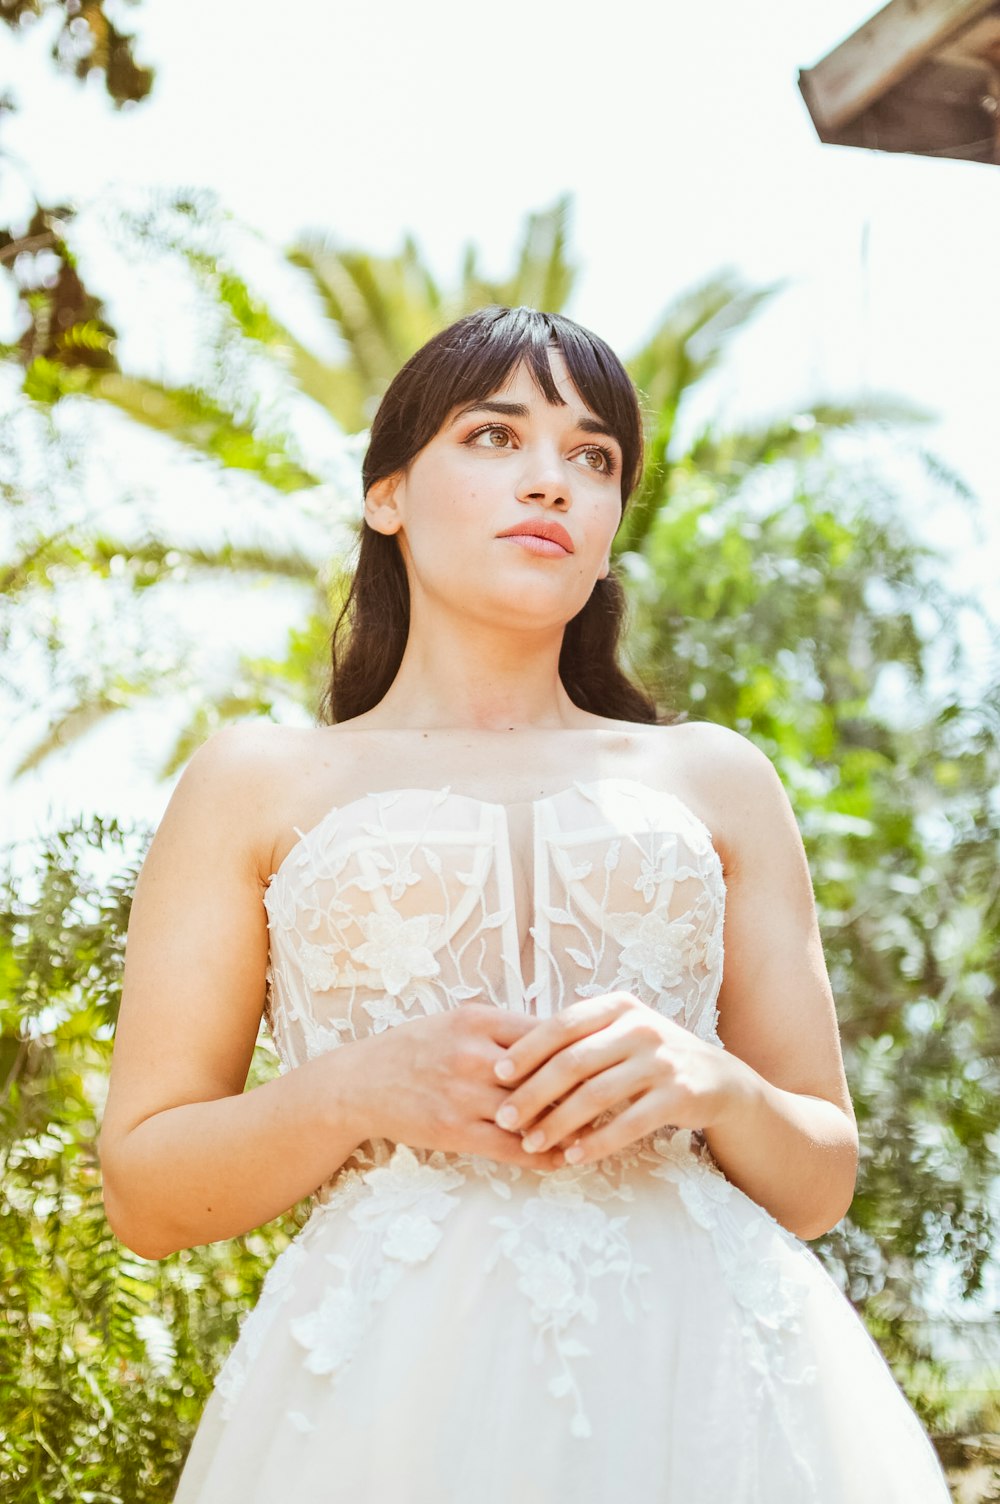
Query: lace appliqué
[[278, 1287], [403, 903], [561, 1245], [758, 1258], [562, 1237], [653, 955], [399, 1207], [753, 1269]]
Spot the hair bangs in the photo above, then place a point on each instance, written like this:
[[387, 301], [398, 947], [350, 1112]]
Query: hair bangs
[[474, 358]]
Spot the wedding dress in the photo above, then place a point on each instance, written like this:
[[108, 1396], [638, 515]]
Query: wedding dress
[[450, 1329]]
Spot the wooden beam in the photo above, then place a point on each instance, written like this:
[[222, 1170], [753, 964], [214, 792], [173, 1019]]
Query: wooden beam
[[936, 111], [880, 54]]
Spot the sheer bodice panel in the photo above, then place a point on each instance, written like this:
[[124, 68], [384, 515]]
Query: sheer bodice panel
[[410, 901]]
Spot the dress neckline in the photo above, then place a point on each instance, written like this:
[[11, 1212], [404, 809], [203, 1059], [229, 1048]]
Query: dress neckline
[[584, 786]]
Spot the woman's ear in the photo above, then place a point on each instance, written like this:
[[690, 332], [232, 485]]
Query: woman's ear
[[381, 504]]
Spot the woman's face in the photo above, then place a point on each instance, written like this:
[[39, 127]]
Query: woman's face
[[509, 461]]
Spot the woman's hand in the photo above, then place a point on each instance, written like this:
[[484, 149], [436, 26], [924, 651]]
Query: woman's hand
[[602, 1052], [430, 1083]]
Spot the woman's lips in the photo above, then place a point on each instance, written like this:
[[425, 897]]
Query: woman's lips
[[536, 545]]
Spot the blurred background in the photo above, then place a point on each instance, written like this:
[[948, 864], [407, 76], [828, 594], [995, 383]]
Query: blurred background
[[222, 230]]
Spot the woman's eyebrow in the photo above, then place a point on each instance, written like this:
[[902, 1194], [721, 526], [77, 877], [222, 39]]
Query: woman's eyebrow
[[521, 410], [506, 409]]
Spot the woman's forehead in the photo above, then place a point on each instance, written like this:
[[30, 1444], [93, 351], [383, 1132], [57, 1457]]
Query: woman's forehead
[[521, 388]]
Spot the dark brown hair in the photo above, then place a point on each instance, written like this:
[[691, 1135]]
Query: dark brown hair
[[470, 360]]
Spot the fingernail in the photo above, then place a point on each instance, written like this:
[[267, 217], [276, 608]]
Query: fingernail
[[504, 1068], [574, 1155], [507, 1116], [533, 1141]]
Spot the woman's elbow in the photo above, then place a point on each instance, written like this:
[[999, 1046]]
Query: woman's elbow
[[836, 1207], [120, 1211], [129, 1231]]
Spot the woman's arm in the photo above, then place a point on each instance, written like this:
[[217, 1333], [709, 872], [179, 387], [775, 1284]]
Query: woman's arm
[[788, 1135], [187, 1156], [774, 1105]]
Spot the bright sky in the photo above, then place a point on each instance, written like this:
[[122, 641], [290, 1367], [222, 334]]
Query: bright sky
[[679, 131]]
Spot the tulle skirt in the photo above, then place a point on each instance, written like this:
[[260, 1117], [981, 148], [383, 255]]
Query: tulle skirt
[[448, 1330]]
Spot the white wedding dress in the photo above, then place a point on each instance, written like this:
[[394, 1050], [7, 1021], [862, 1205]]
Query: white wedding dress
[[449, 1329]]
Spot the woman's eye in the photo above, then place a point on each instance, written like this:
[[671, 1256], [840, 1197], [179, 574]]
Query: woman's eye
[[598, 458], [495, 436]]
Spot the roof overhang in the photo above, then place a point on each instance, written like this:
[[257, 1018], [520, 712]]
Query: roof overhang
[[921, 76]]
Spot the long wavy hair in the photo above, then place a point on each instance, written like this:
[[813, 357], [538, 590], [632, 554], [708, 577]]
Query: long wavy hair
[[466, 362]]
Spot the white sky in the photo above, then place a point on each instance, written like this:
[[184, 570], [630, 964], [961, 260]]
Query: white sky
[[679, 131]]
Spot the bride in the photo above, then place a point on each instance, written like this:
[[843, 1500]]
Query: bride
[[565, 1149]]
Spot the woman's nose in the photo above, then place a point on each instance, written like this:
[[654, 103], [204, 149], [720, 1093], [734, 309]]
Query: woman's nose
[[544, 478]]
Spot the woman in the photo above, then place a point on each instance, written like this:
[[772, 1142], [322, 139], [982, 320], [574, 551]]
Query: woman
[[563, 1158]]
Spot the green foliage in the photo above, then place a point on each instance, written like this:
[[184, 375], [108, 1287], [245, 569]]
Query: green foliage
[[106, 1359], [382, 309], [193, 418], [65, 332]]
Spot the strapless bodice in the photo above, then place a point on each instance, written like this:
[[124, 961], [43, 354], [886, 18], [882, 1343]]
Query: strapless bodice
[[407, 901]]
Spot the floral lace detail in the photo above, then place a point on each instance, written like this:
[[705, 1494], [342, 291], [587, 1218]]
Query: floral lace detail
[[767, 1270], [753, 1250], [277, 1288], [319, 966], [403, 903], [561, 1245], [385, 1014], [406, 1188], [398, 948], [399, 1207], [652, 960], [561, 1241], [563, 1237]]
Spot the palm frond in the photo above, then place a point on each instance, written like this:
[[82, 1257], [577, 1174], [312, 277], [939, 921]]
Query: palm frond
[[315, 378], [69, 727], [146, 561], [236, 558], [692, 335], [543, 276], [34, 566], [732, 455], [381, 307], [197, 422]]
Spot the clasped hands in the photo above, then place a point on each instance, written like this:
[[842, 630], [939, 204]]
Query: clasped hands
[[601, 1052]]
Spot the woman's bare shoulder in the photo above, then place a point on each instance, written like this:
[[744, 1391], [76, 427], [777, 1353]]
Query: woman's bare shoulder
[[726, 750], [728, 779], [246, 771], [256, 753]]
